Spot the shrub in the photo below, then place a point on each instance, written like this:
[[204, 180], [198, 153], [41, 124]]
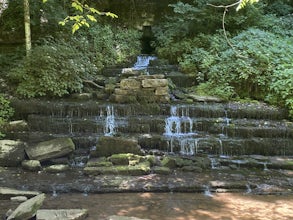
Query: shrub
[[59, 67], [5, 113], [53, 69]]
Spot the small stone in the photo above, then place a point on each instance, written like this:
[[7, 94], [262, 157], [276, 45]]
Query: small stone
[[57, 168], [18, 198]]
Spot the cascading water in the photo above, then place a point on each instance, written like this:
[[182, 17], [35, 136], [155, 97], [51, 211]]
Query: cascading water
[[179, 131], [143, 62], [110, 125]]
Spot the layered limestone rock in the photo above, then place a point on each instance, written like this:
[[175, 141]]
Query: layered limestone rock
[[142, 89]]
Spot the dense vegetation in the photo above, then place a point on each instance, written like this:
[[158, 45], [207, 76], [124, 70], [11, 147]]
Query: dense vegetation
[[254, 62], [250, 59]]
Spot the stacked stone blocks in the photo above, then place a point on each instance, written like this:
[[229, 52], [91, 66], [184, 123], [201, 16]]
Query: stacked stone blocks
[[142, 89]]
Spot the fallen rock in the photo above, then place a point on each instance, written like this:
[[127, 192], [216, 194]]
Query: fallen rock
[[6, 193], [115, 145], [11, 152], [50, 149], [65, 214], [27, 209], [32, 165]]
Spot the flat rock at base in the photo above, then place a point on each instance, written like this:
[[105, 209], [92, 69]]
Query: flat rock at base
[[51, 149], [6, 193], [117, 217], [62, 214], [27, 209]]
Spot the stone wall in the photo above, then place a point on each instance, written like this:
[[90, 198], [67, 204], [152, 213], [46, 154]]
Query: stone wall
[[142, 89]]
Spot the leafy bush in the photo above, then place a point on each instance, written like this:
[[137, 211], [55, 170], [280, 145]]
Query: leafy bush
[[282, 89], [59, 67], [52, 69], [178, 34], [5, 112], [113, 45]]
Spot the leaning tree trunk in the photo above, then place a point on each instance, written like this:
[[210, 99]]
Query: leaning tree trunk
[[27, 27]]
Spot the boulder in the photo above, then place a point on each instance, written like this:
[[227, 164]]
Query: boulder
[[6, 193], [50, 149], [27, 209], [11, 152], [115, 145], [32, 165], [68, 214]]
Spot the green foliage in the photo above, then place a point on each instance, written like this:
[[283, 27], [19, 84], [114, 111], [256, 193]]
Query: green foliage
[[52, 69], [5, 112], [178, 35], [282, 88], [84, 14], [59, 67], [113, 45], [243, 3], [250, 71]]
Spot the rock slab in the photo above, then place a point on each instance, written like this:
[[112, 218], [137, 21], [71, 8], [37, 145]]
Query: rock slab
[[27, 209], [51, 149], [6, 193], [64, 214]]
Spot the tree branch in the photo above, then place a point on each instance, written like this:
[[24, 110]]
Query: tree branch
[[92, 83]]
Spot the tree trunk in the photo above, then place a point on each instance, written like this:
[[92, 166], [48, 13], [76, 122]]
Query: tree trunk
[[27, 27]]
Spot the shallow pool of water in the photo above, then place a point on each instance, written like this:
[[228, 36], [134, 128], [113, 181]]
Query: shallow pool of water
[[176, 206]]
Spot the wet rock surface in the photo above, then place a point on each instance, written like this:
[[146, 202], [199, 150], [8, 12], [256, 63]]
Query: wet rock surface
[[226, 178]]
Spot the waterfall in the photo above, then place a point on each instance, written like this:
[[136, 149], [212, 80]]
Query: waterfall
[[110, 124], [143, 61], [179, 130]]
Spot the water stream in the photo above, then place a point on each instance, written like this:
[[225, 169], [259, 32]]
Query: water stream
[[143, 62]]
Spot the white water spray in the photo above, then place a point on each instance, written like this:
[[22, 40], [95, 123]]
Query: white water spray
[[110, 125], [143, 62], [179, 130]]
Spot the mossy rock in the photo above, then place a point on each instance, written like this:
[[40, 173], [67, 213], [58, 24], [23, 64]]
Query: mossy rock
[[100, 170], [108, 146], [192, 169], [125, 159], [169, 162], [180, 162], [161, 170], [137, 170], [203, 162], [99, 162]]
